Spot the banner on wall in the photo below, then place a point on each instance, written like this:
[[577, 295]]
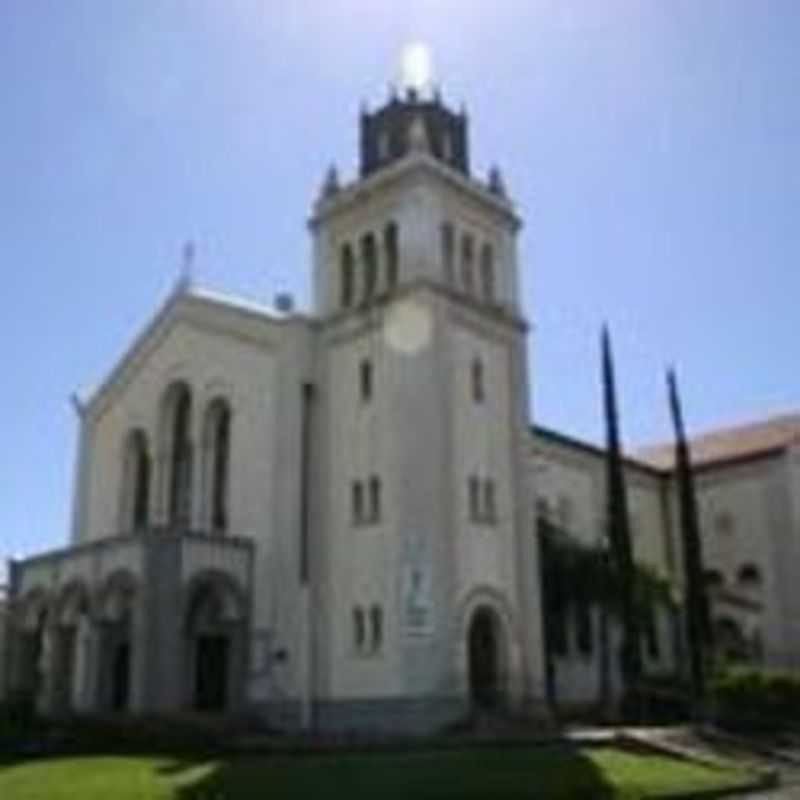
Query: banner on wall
[[417, 600]]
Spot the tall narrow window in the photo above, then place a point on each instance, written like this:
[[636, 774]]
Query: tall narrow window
[[376, 623], [357, 501], [359, 629], [217, 432], [347, 277], [141, 494], [392, 255], [135, 484], [468, 264], [369, 262], [487, 273], [365, 380], [177, 422], [474, 493], [478, 393], [448, 253], [375, 498], [489, 501]]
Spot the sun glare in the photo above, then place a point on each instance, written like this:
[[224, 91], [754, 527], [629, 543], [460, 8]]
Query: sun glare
[[416, 68]]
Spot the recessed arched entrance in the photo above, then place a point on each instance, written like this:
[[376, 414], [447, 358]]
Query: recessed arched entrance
[[117, 605], [486, 658], [215, 627]]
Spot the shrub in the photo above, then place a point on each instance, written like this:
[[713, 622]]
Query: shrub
[[756, 699], [17, 716]]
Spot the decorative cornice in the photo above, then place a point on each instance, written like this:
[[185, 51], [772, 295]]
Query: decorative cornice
[[416, 163]]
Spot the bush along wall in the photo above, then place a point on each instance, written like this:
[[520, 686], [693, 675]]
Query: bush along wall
[[576, 578], [756, 700]]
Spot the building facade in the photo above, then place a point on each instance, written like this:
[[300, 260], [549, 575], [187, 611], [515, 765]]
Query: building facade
[[331, 518]]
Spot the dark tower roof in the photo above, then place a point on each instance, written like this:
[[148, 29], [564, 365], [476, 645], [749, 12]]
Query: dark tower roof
[[385, 133]]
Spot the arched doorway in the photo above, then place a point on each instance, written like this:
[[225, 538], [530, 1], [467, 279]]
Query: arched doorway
[[485, 659], [120, 689], [116, 609], [71, 649], [215, 629]]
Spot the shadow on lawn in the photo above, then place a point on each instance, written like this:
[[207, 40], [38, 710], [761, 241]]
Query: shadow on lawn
[[501, 773]]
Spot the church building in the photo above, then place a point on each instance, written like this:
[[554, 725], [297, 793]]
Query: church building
[[332, 518]]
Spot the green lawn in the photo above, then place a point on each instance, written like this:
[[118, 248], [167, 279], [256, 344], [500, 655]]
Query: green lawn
[[510, 773]]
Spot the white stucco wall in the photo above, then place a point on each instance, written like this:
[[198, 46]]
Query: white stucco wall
[[572, 475]]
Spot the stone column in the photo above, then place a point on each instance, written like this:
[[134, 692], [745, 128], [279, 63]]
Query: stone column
[[138, 654], [161, 489], [86, 665], [46, 700], [158, 636]]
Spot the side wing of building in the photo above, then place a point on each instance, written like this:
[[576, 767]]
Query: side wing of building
[[181, 580]]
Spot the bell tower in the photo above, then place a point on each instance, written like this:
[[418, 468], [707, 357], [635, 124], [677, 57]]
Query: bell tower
[[428, 524], [415, 213]]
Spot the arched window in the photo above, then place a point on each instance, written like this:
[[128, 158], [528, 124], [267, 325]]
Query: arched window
[[376, 623], [357, 502], [369, 261], [347, 269], [474, 493], [468, 264], [489, 502], [375, 498], [476, 376], [135, 503], [217, 437], [448, 253], [177, 425], [390, 246], [365, 380], [487, 273], [749, 575]]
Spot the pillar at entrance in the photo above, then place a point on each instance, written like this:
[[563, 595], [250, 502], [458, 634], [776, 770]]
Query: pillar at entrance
[[46, 672], [84, 669]]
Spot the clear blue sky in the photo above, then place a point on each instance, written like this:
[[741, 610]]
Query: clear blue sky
[[652, 148]]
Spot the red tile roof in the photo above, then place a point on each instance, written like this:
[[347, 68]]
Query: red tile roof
[[728, 444]]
